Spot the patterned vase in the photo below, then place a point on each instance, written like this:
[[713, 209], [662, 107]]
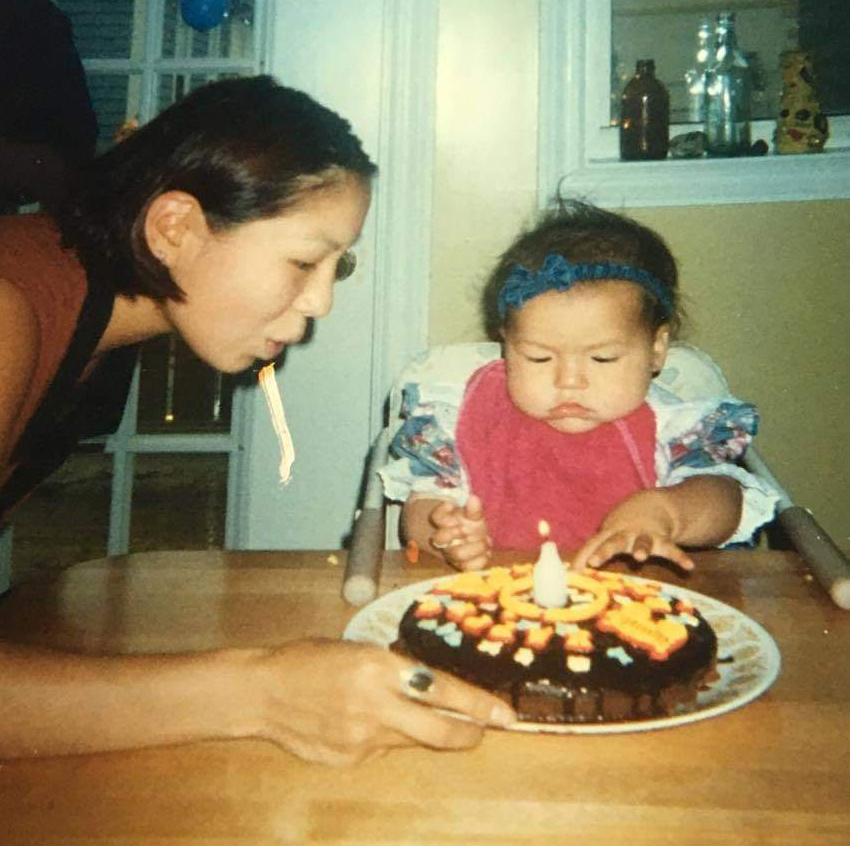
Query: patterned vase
[[801, 126]]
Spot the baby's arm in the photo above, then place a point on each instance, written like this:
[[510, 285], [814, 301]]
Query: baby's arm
[[456, 533], [702, 510]]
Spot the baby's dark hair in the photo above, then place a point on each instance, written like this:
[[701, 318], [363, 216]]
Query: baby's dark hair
[[246, 149], [585, 234]]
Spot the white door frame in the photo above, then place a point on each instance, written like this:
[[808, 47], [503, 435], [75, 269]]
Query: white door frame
[[373, 61]]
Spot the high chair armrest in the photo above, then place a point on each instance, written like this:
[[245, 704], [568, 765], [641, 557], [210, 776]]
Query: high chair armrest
[[362, 569], [828, 563]]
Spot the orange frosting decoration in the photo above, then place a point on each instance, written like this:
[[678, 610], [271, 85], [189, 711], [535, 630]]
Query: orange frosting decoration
[[510, 601], [641, 590], [581, 610], [468, 585], [411, 551], [579, 640], [503, 632], [634, 624], [456, 611], [428, 608], [657, 603], [538, 639], [476, 625]]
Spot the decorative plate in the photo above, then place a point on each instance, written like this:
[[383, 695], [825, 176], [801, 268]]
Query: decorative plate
[[748, 659]]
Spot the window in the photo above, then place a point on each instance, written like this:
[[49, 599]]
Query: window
[[588, 46], [140, 57]]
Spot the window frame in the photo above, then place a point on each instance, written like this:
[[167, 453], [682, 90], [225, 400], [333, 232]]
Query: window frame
[[127, 442], [579, 150]]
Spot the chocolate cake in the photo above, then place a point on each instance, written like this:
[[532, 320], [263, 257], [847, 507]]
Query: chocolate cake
[[622, 648]]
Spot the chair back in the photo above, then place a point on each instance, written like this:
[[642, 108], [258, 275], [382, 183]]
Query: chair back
[[689, 373]]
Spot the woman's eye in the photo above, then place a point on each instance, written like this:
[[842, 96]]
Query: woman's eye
[[303, 265]]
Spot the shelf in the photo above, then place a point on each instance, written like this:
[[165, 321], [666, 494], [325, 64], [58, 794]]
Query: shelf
[[757, 179], [577, 155]]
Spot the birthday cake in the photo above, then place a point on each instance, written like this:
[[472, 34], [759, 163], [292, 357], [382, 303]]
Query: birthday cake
[[618, 648]]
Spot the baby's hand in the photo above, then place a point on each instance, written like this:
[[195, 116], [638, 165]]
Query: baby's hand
[[640, 545], [461, 534], [636, 529]]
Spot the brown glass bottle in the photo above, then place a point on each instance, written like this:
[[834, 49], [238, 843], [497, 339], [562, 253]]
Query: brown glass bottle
[[644, 116]]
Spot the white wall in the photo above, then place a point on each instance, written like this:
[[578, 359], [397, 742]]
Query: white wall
[[373, 62], [324, 382], [486, 150]]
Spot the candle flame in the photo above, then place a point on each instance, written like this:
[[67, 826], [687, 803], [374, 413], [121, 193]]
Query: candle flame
[[543, 529]]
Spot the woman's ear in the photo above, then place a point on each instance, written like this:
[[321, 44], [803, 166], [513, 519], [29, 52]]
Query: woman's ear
[[660, 345], [172, 221]]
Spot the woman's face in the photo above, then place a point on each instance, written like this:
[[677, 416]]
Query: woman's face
[[251, 289], [579, 358]]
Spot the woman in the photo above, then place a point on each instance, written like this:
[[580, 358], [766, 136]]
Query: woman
[[224, 220]]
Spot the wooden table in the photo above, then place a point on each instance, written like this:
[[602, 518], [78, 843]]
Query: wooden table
[[774, 772]]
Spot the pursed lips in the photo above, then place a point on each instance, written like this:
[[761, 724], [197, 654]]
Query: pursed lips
[[275, 346], [567, 409], [273, 349]]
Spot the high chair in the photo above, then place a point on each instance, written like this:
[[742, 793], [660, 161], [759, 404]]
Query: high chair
[[689, 373]]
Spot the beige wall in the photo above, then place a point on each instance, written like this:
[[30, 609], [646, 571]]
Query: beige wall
[[486, 150], [766, 285]]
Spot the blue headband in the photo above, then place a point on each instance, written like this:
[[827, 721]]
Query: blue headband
[[558, 274]]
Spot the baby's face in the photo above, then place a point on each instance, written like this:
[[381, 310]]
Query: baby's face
[[579, 358]]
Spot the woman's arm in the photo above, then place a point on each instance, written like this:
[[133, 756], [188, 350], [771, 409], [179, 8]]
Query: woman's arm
[[327, 701], [700, 511]]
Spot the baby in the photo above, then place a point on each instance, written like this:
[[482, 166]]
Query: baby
[[568, 425]]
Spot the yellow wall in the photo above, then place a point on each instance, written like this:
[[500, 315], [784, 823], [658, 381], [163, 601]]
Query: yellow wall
[[766, 284], [486, 150]]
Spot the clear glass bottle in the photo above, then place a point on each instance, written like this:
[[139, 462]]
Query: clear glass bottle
[[644, 116], [728, 92], [695, 77]]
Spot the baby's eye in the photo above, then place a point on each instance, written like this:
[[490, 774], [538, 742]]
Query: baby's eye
[[605, 359], [539, 359]]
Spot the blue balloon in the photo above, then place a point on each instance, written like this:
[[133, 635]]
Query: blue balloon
[[203, 14]]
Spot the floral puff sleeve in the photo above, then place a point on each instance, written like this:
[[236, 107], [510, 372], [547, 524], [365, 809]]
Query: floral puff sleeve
[[423, 457], [709, 436]]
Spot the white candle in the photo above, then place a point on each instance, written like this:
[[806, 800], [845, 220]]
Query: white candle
[[550, 575]]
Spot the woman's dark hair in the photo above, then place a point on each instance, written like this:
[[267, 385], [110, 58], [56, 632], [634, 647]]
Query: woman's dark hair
[[585, 234], [245, 148]]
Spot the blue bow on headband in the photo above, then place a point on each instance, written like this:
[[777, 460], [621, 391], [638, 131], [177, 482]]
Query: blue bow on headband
[[558, 274]]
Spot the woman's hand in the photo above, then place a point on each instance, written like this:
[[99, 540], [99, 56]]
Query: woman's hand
[[461, 534], [328, 701], [342, 703]]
